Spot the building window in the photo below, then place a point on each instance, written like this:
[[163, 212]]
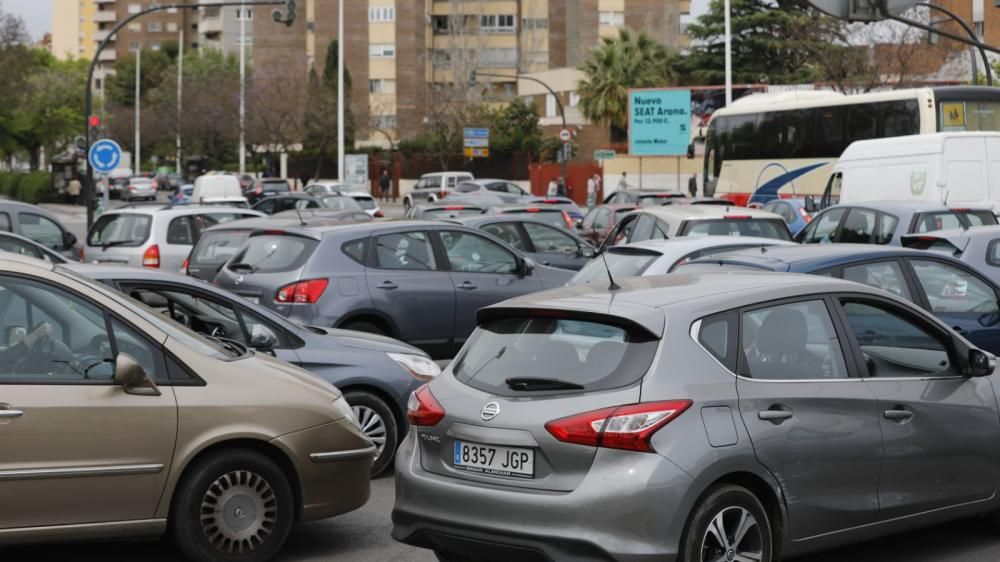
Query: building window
[[497, 23], [614, 19], [550, 105], [382, 121], [382, 14], [535, 23], [441, 59], [133, 46], [155, 45], [536, 57], [498, 57], [382, 86], [172, 27], [382, 51], [171, 10], [155, 26], [134, 8], [135, 27], [980, 30], [244, 15]]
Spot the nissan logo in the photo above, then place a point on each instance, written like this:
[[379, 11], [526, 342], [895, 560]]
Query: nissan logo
[[490, 411]]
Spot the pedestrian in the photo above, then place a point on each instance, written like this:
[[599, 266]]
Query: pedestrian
[[561, 188], [591, 190], [553, 188], [385, 185], [73, 189], [623, 182], [304, 179], [599, 189], [693, 185]]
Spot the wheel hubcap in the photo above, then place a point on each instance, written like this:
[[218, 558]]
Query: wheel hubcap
[[733, 535], [238, 512], [372, 426]]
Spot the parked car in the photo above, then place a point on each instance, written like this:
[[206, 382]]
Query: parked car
[[40, 225], [121, 423], [183, 195], [885, 222], [508, 192], [657, 257], [218, 243], [348, 214], [538, 240], [266, 187], [366, 202], [675, 417], [375, 374], [659, 223], [956, 293], [417, 281], [450, 211], [793, 211], [341, 202], [17, 244], [549, 214], [599, 221], [169, 182], [157, 237], [564, 203], [978, 246], [218, 189], [143, 189], [642, 197], [286, 202], [331, 187], [432, 187]]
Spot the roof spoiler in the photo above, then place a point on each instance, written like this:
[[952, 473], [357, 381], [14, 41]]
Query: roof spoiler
[[650, 324], [959, 241], [297, 231]]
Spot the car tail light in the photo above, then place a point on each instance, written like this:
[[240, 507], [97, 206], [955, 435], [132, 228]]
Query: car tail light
[[629, 428], [569, 220], [184, 266], [423, 409], [83, 254], [532, 210], [302, 292], [805, 216], [378, 214], [549, 201], [960, 210], [151, 257], [737, 217], [443, 194], [454, 208]]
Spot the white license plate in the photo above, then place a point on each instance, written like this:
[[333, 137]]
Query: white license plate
[[255, 300], [495, 460]]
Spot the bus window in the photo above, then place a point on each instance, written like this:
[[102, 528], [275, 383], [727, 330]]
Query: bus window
[[901, 118], [743, 137], [862, 121], [829, 130]]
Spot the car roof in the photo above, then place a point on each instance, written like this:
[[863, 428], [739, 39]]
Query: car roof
[[811, 257], [103, 271], [681, 212], [445, 205], [910, 206], [165, 208], [477, 220], [542, 207], [482, 181], [693, 243], [355, 194]]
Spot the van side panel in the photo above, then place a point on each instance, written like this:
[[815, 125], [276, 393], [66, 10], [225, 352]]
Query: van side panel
[[965, 163], [993, 169]]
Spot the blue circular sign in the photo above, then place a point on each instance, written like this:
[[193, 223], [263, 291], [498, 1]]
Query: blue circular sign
[[105, 155]]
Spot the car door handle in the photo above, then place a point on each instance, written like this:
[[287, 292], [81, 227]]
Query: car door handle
[[8, 412], [467, 285], [387, 285], [774, 415], [897, 414]]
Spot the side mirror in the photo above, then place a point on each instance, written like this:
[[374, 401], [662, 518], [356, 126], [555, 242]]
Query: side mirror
[[587, 251], [69, 240], [263, 339], [690, 151], [527, 266], [981, 364], [130, 375], [810, 204]]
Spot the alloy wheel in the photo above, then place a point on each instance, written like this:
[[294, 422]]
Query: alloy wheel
[[733, 535], [238, 512], [372, 425]]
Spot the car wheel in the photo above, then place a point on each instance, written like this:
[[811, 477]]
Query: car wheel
[[235, 506], [367, 327], [729, 523], [378, 424]]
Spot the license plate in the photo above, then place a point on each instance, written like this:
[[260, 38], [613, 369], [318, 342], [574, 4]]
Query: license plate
[[255, 300], [495, 460]]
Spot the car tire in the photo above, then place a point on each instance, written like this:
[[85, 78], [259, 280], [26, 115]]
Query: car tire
[[727, 505], [378, 423], [366, 327], [219, 479]]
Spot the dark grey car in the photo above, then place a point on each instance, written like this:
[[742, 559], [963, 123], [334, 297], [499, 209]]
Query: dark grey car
[[375, 373], [697, 418], [418, 281], [536, 239]]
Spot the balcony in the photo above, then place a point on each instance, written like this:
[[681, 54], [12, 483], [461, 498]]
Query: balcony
[[108, 55], [105, 16], [210, 24], [101, 35]]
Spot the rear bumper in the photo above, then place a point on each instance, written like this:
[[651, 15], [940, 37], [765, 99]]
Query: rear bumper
[[630, 507]]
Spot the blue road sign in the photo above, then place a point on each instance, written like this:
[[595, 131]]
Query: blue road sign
[[105, 155], [659, 122], [476, 133]]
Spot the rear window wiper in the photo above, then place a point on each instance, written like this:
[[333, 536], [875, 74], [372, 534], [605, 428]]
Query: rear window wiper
[[243, 266], [529, 383]]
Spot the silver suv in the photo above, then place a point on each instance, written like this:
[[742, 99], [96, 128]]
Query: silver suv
[[153, 235]]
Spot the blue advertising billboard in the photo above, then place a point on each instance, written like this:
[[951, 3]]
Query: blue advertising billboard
[[659, 122]]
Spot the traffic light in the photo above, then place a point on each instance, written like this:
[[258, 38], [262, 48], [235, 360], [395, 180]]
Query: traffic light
[[94, 121]]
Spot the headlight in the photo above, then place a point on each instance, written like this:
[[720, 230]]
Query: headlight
[[420, 367], [344, 409]]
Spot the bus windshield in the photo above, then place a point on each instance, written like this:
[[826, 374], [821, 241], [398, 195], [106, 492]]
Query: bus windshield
[[969, 115]]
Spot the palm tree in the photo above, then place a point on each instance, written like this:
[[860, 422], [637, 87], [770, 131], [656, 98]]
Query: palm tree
[[616, 65]]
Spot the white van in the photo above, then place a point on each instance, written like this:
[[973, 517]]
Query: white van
[[218, 189], [434, 186], [952, 168]]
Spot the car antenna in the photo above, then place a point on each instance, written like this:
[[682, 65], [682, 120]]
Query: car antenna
[[612, 286], [302, 221]]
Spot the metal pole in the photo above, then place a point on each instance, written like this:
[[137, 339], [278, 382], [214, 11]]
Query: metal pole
[[180, 95], [340, 90], [243, 89], [729, 55], [138, 110]]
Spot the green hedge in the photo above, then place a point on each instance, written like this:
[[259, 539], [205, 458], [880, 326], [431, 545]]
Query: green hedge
[[30, 187]]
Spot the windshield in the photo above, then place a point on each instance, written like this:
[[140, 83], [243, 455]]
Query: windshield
[[120, 229], [929, 222], [762, 228], [341, 203], [273, 253], [594, 355], [215, 248], [275, 185], [451, 213], [958, 116], [622, 261], [366, 203], [657, 199], [551, 217]]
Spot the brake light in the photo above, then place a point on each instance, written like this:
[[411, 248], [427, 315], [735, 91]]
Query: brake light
[[151, 257], [532, 210], [805, 216], [302, 292], [131, 188], [629, 428], [184, 266], [550, 201], [83, 254], [378, 214], [274, 232], [423, 409], [737, 217], [960, 210], [454, 208], [568, 219]]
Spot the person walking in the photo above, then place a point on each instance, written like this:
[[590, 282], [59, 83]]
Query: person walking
[[73, 189], [561, 190], [623, 182], [385, 186], [693, 185], [553, 188], [591, 190]]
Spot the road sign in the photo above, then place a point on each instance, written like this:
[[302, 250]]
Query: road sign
[[604, 154], [105, 155], [659, 122], [476, 142], [471, 152], [565, 135], [476, 133]]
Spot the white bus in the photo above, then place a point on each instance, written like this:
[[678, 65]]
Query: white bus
[[786, 145]]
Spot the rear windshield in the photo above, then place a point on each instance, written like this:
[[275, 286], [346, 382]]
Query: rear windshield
[[657, 199], [366, 203], [446, 213], [274, 253], [623, 262], [929, 222], [215, 248], [594, 355], [467, 187], [763, 228], [341, 203], [120, 229], [275, 185], [551, 217]]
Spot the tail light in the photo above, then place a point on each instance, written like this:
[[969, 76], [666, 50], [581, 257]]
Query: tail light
[[83, 254], [423, 409], [378, 213], [805, 216], [184, 266], [629, 428], [302, 292], [454, 208], [443, 194], [151, 257], [737, 217], [569, 220]]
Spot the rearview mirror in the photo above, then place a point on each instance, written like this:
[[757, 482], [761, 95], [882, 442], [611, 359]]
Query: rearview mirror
[[690, 151], [810, 204], [130, 375], [262, 339], [527, 266], [587, 251], [981, 364], [69, 240]]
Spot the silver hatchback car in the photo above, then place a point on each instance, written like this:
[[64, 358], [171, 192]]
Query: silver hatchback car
[[696, 418]]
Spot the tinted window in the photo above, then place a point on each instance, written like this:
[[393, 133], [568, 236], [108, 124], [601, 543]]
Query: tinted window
[[553, 217], [929, 222], [215, 248], [41, 229], [275, 253], [894, 346], [950, 289], [341, 202], [763, 228], [467, 188], [551, 240], [275, 185], [356, 250], [471, 253], [450, 212], [791, 341], [404, 250], [886, 275], [180, 231], [365, 202], [594, 355], [15, 246], [508, 232], [623, 262], [602, 219], [714, 337], [121, 229], [5, 222], [859, 227], [823, 229]]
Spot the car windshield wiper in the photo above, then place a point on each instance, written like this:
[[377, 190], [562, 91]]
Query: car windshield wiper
[[234, 347], [530, 383], [113, 243]]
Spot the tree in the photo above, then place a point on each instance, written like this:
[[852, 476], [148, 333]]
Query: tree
[[321, 108], [514, 127], [51, 108], [153, 72], [616, 65]]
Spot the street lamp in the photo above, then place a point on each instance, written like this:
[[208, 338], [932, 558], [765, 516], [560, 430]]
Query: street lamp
[[287, 18]]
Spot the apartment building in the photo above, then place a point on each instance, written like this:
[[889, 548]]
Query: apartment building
[[396, 51], [73, 29], [219, 26], [982, 15]]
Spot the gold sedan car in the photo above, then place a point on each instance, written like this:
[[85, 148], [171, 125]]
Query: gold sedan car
[[118, 423]]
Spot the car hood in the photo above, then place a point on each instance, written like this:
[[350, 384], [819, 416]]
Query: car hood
[[368, 342], [303, 377]]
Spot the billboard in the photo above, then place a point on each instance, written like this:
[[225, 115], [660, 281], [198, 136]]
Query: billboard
[[659, 122]]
